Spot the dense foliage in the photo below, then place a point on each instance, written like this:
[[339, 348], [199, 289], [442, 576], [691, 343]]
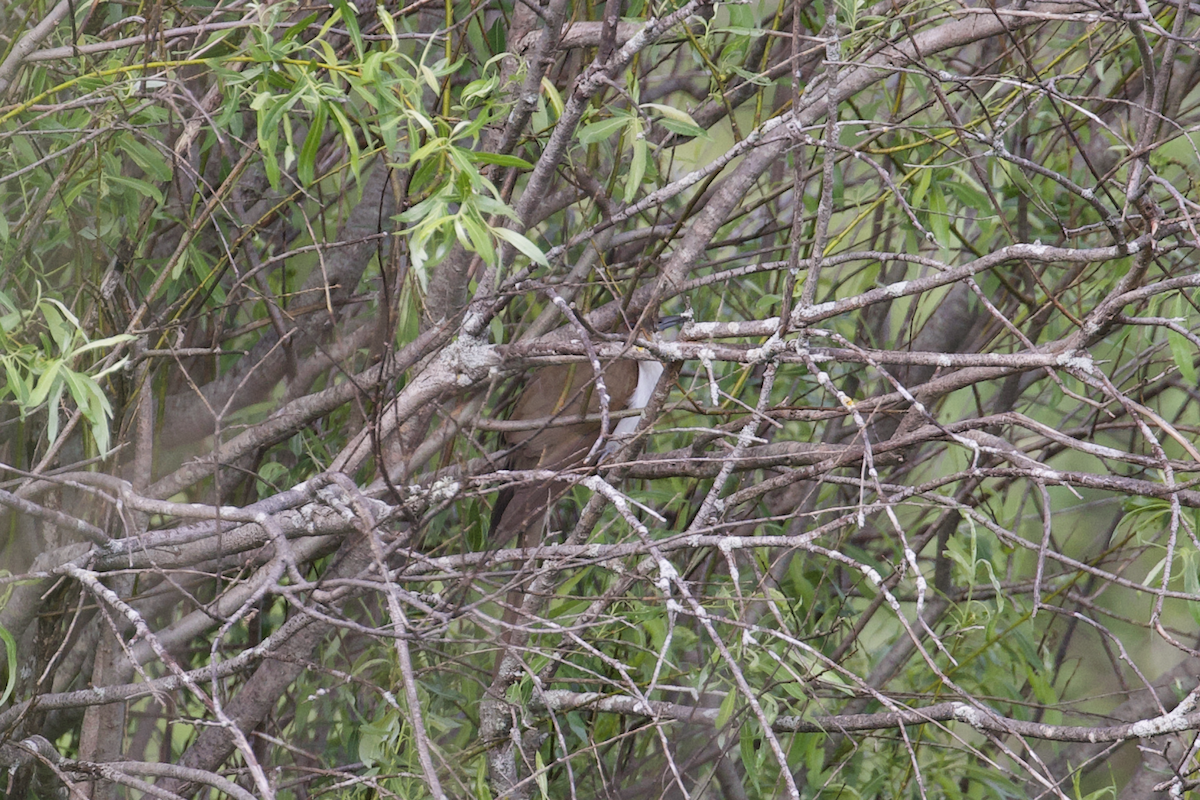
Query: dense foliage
[[911, 513]]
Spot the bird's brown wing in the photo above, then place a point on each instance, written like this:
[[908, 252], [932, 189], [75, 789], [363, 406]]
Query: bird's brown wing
[[557, 391]]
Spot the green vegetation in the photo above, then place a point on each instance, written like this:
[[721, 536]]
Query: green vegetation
[[911, 514]]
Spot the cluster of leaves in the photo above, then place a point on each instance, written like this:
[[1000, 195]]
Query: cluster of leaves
[[42, 350]]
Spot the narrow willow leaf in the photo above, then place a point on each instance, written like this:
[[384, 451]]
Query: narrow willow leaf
[[306, 166], [528, 248]]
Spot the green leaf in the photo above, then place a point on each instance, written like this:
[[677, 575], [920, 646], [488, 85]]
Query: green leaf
[[139, 186], [108, 341], [528, 248], [473, 233], [307, 164], [483, 787], [45, 385], [460, 162], [77, 384], [350, 20], [389, 24], [677, 120], [16, 383], [271, 477], [751, 748], [300, 26], [637, 167], [52, 407], [1191, 583], [939, 217], [424, 151], [742, 16], [489, 205], [350, 139], [738, 30], [500, 159], [262, 100], [966, 189], [150, 161], [99, 400], [10, 649], [66, 312], [331, 57], [553, 98], [12, 315], [94, 406], [684, 129], [111, 368], [924, 178], [539, 774], [755, 78], [1182, 350], [181, 263], [429, 76], [374, 736], [599, 131], [1184, 354], [479, 89], [60, 332], [726, 710]]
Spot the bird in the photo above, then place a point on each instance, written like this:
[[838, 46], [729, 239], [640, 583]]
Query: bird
[[565, 391]]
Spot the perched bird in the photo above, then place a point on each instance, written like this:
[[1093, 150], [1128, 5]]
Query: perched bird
[[563, 392]]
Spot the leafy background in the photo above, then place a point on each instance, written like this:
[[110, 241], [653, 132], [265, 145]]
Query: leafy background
[[912, 514]]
